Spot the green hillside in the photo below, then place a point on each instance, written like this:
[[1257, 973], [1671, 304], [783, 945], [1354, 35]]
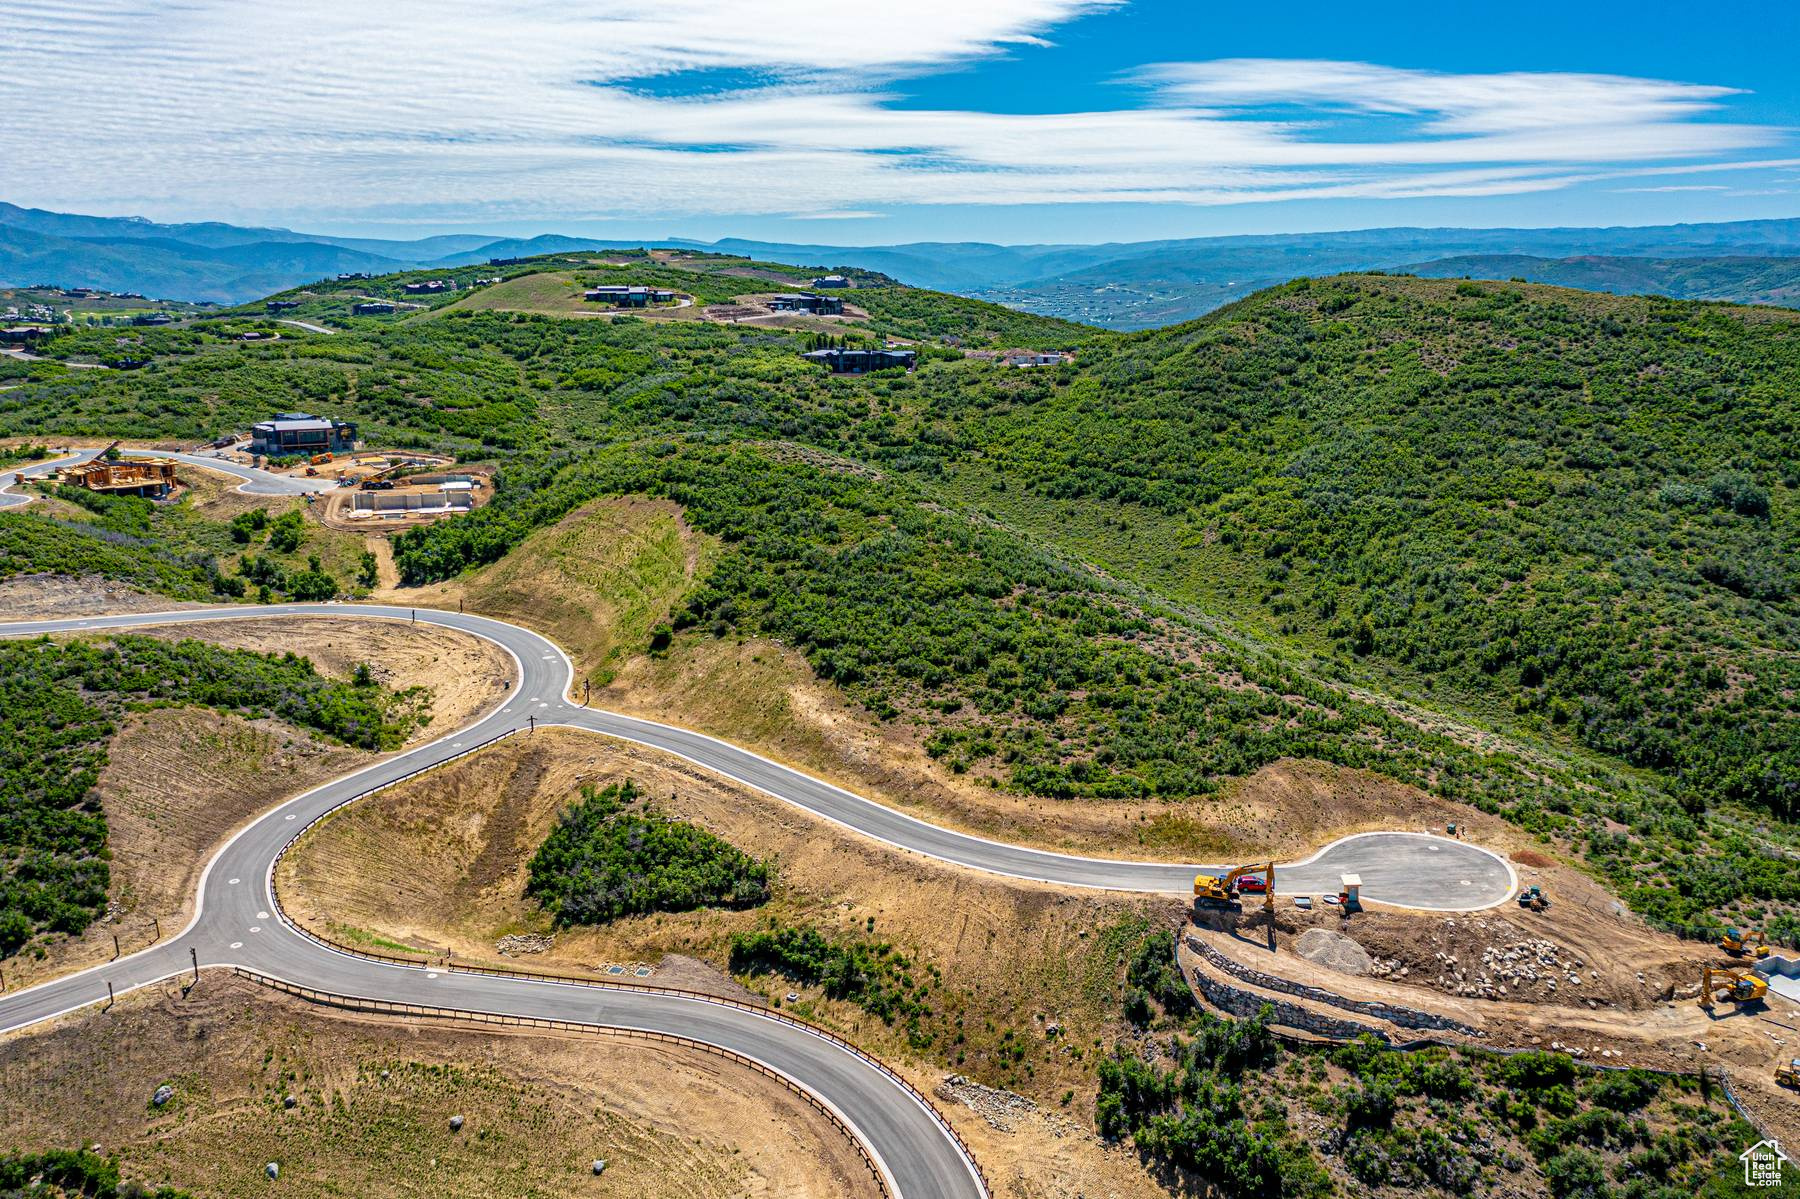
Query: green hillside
[[1530, 549]]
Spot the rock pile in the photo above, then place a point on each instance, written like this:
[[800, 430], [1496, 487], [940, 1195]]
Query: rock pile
[[1002, 1109], [1531, 969], [1333, 950], [517, 944]]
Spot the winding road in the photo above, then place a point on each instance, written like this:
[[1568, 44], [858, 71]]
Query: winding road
[[238, 923]]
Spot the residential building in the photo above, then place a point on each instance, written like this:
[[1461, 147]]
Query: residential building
[[429, 287], [1031, 358], [152, 477], [623, 295], [861, 362], [302, 433], [152, 318], [20, 335], [281, 305], [371, 308], [801, 301], [829, 281]]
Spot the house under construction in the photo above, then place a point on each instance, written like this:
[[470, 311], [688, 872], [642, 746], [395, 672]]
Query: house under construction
[[151, 477]]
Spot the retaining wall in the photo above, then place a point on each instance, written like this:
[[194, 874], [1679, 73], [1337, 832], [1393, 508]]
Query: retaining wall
[[1405, 1017]]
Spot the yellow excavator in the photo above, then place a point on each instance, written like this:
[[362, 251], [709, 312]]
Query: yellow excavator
[[1222, 890], [1738, 944], [1789, 1075], [1738, 986]]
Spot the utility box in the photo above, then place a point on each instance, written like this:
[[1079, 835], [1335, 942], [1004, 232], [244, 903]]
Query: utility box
[[1350, 892]]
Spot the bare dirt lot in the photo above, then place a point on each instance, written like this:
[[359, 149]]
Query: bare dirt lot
[[669, 1122], [438, 864]]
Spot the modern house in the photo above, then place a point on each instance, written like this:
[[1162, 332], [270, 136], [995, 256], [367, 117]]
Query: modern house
[[151, 477], [861, 362], [281, 305], [622, 295], [371, 308], [300, 433], [152, 318], [22, 335], [430, 287], [801, 301], [1031, 358], [829, 281]]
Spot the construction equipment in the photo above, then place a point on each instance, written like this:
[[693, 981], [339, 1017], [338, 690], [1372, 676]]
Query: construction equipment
[[321, 459], [1789, 1075], [1533, 899], [1738, 944], [1739, 986], [1221, 890]]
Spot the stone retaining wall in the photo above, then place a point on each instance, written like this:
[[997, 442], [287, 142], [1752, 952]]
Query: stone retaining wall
[[1405, 1017], [1233, 1001]]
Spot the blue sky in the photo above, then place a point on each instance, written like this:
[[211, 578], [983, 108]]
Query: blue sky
[[1004, 120]]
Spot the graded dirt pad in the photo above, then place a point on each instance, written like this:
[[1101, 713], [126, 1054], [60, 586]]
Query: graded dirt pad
[[670, 1122], [438, 863]]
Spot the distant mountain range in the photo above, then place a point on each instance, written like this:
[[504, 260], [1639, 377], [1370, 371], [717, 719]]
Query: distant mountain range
[[1125, 285]]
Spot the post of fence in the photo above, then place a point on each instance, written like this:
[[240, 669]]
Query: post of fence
[[195, 955]]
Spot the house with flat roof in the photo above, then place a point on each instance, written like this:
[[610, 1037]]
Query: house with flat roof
[[19, 335], [628, 295], [861, 362], [801, 301], [302, 433], [827, 281], [1031, 358], [281, 305], [429, 287], [371, 308]]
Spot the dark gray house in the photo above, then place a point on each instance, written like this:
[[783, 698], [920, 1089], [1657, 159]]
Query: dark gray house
[[622, 295], [805, 301], [861, 362], [301, 433], [372, 308]]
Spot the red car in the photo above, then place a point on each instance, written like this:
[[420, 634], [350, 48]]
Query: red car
[[1253, 882]]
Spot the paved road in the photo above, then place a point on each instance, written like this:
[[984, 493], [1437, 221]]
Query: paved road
[[255, 481], [238, 923], [309, 327]]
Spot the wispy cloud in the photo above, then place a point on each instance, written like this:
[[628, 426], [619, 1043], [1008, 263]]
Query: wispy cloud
[[542, 109]]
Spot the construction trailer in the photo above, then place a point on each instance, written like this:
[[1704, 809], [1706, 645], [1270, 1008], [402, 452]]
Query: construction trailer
[[153, 478]]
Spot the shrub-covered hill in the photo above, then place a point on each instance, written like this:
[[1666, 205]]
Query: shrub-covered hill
[[1564, 517], [1579, 512]]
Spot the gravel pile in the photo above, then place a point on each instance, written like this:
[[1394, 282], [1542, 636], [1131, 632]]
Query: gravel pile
[[1333, 950]]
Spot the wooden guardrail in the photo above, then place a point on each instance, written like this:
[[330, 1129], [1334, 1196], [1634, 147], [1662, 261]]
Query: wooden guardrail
[[434, 1012], [444, 962]]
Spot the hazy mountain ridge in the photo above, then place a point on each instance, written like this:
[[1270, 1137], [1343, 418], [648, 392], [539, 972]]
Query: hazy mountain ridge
[[1117, 285]]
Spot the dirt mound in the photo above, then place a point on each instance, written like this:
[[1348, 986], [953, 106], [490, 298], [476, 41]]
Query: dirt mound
[[1530, 857], [1333, 950]]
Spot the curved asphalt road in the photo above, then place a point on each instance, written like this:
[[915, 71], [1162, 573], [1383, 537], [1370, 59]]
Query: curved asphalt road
[[255, 481], [237, 921]]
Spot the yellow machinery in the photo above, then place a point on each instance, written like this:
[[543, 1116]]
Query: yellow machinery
[[1222, 890], [321, 459], [1739, 987], [1738, 944], [1789, 1075], [1533, 899]]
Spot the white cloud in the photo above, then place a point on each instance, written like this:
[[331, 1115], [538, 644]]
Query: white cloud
[[554, 109]]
